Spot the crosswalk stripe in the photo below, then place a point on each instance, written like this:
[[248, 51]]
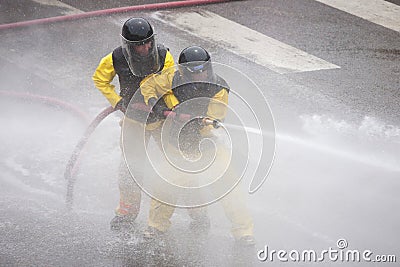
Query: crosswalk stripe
[[243, 41], [380, 12], [67, 9]]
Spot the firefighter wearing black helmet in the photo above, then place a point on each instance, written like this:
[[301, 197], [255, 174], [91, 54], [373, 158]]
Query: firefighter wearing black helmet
[[206, 95], [136, 60]]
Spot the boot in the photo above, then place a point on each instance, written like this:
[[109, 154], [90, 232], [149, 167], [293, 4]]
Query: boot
[[152, 233], [122, 222]]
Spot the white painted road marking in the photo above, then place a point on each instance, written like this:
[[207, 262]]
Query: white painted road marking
[[380, 12], [69, 10], [248, 43]]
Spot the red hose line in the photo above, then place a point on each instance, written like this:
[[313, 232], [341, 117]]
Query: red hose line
[[74, 161], [48, 101], [165, 5]]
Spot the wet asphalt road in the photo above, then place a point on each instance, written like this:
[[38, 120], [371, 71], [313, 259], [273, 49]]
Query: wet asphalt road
[[336, 172]]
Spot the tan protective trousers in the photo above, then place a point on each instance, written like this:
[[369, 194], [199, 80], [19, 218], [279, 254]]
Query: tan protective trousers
[[134, 140], [234, 205]]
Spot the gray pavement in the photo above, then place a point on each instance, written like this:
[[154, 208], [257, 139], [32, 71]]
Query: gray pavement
[[335, 175]]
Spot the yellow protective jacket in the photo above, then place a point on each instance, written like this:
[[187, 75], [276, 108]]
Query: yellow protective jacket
[[217, 92], [115, 64], [174, 91]]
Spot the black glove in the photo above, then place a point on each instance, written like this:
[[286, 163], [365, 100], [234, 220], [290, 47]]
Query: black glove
[[121, 106], [157, 108]]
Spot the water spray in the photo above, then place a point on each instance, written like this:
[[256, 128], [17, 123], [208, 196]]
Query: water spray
[[310, 144], [73, 163]]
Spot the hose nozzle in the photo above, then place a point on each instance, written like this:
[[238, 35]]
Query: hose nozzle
[[215, 123]]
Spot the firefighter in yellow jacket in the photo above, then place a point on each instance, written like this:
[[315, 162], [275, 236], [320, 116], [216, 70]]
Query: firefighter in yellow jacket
[[138, 58], [207, 94]]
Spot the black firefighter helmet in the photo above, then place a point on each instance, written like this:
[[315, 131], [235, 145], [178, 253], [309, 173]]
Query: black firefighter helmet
[[139, 47], [195, 64]]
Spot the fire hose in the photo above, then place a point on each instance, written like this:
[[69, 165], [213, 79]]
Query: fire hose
[[47, 100], [73, 162]]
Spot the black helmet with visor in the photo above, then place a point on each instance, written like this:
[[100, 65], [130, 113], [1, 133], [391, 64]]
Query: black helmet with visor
[[195, 64], [139, 47]]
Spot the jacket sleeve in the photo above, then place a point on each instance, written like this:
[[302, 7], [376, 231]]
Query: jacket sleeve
[[169, 97], [217, 108], [159, 85], [102, 78]]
